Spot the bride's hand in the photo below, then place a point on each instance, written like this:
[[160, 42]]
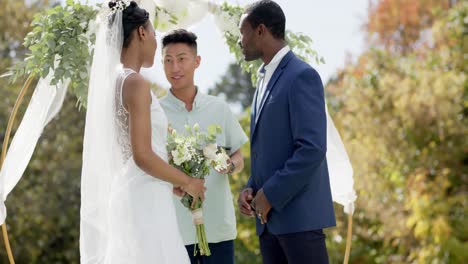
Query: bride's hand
[[196, 188], [178, 191]]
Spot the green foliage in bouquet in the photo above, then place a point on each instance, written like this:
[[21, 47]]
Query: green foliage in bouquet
[[195, 153]]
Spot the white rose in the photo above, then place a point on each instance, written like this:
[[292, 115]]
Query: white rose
[[177, 158], [181, 155], [210, 151], [221, 161], [179, 140]]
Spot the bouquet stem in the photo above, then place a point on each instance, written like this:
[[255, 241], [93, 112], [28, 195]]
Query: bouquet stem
[[202, 244], [202, 241]]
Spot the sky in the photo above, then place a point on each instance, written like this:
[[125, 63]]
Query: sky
[[335, 26]]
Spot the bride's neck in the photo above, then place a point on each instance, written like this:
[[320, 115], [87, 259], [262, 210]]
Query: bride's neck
[[130, 61]]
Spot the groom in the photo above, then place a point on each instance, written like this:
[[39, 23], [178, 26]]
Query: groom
[[289, 189]]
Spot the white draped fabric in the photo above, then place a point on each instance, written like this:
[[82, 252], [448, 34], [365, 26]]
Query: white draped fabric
[[45, 104], [47, 101], [339, 169]]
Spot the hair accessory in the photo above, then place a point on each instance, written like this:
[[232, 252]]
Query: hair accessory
[[118, 5]]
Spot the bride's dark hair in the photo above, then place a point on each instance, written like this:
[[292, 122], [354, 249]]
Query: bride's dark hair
[[132, 18]]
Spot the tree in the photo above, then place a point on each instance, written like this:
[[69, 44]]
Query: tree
[[235, 86], [43, 210], [14, 25], [400, 24], [401, 108], [403, 117]]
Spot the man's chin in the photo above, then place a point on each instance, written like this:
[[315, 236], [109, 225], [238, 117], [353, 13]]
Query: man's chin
[[249, 58], [177, 87], [174, 87]]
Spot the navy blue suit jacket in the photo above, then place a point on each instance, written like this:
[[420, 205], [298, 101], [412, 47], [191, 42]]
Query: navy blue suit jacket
[[288, 147]]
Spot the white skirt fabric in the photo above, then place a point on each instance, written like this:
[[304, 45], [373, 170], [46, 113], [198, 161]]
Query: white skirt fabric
[[144, 227]]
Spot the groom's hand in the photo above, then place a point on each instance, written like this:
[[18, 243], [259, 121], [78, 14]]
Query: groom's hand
[[262, 206], [245, 198]]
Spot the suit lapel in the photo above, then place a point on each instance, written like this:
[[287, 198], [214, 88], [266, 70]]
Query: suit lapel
[[255, 118], [253, 113], [268, 90]]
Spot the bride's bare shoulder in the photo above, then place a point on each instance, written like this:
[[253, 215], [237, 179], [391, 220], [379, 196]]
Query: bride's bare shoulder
[[136, 89]]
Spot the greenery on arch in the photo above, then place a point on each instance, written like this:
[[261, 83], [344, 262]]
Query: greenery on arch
[[62, 38], [59, 43]]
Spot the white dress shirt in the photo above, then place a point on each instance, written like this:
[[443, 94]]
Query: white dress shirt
[[270, 68]]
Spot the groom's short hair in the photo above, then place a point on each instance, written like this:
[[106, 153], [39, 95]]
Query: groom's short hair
[[180, 36], [268, 13]]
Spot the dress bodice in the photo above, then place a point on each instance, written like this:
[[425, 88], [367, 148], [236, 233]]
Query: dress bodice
[[159, 121]]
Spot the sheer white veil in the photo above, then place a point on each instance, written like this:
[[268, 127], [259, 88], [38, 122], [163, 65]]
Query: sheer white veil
[[102, 155]]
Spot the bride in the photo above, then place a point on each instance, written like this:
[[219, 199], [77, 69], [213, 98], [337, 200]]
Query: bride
[[127, 212]]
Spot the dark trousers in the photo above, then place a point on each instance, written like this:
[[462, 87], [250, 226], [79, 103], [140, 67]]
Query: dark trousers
[[221, 253], [296, 248]]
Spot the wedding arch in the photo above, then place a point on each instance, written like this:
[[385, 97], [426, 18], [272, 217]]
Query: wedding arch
[[61, 47]]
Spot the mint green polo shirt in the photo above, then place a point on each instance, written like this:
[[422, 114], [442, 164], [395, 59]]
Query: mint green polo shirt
[[218, 208]]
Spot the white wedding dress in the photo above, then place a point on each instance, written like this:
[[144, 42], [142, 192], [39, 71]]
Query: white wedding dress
[[143, 227]]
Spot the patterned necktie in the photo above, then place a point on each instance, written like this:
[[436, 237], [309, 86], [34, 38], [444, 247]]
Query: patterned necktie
[[258, 99]]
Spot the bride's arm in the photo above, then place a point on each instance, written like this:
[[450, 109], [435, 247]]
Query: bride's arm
[[137, 100]]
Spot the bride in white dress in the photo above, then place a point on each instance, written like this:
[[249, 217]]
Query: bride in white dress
[[127, 211]]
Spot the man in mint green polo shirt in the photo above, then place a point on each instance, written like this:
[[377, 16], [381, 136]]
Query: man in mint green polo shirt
[[186, 105]]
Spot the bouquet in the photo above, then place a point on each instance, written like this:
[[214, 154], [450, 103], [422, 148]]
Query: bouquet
[[195, 153]]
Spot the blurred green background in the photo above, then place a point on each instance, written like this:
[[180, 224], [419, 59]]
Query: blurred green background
[[401, 108]]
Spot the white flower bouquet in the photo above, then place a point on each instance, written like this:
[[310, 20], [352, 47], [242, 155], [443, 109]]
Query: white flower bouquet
[[195, 153]]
